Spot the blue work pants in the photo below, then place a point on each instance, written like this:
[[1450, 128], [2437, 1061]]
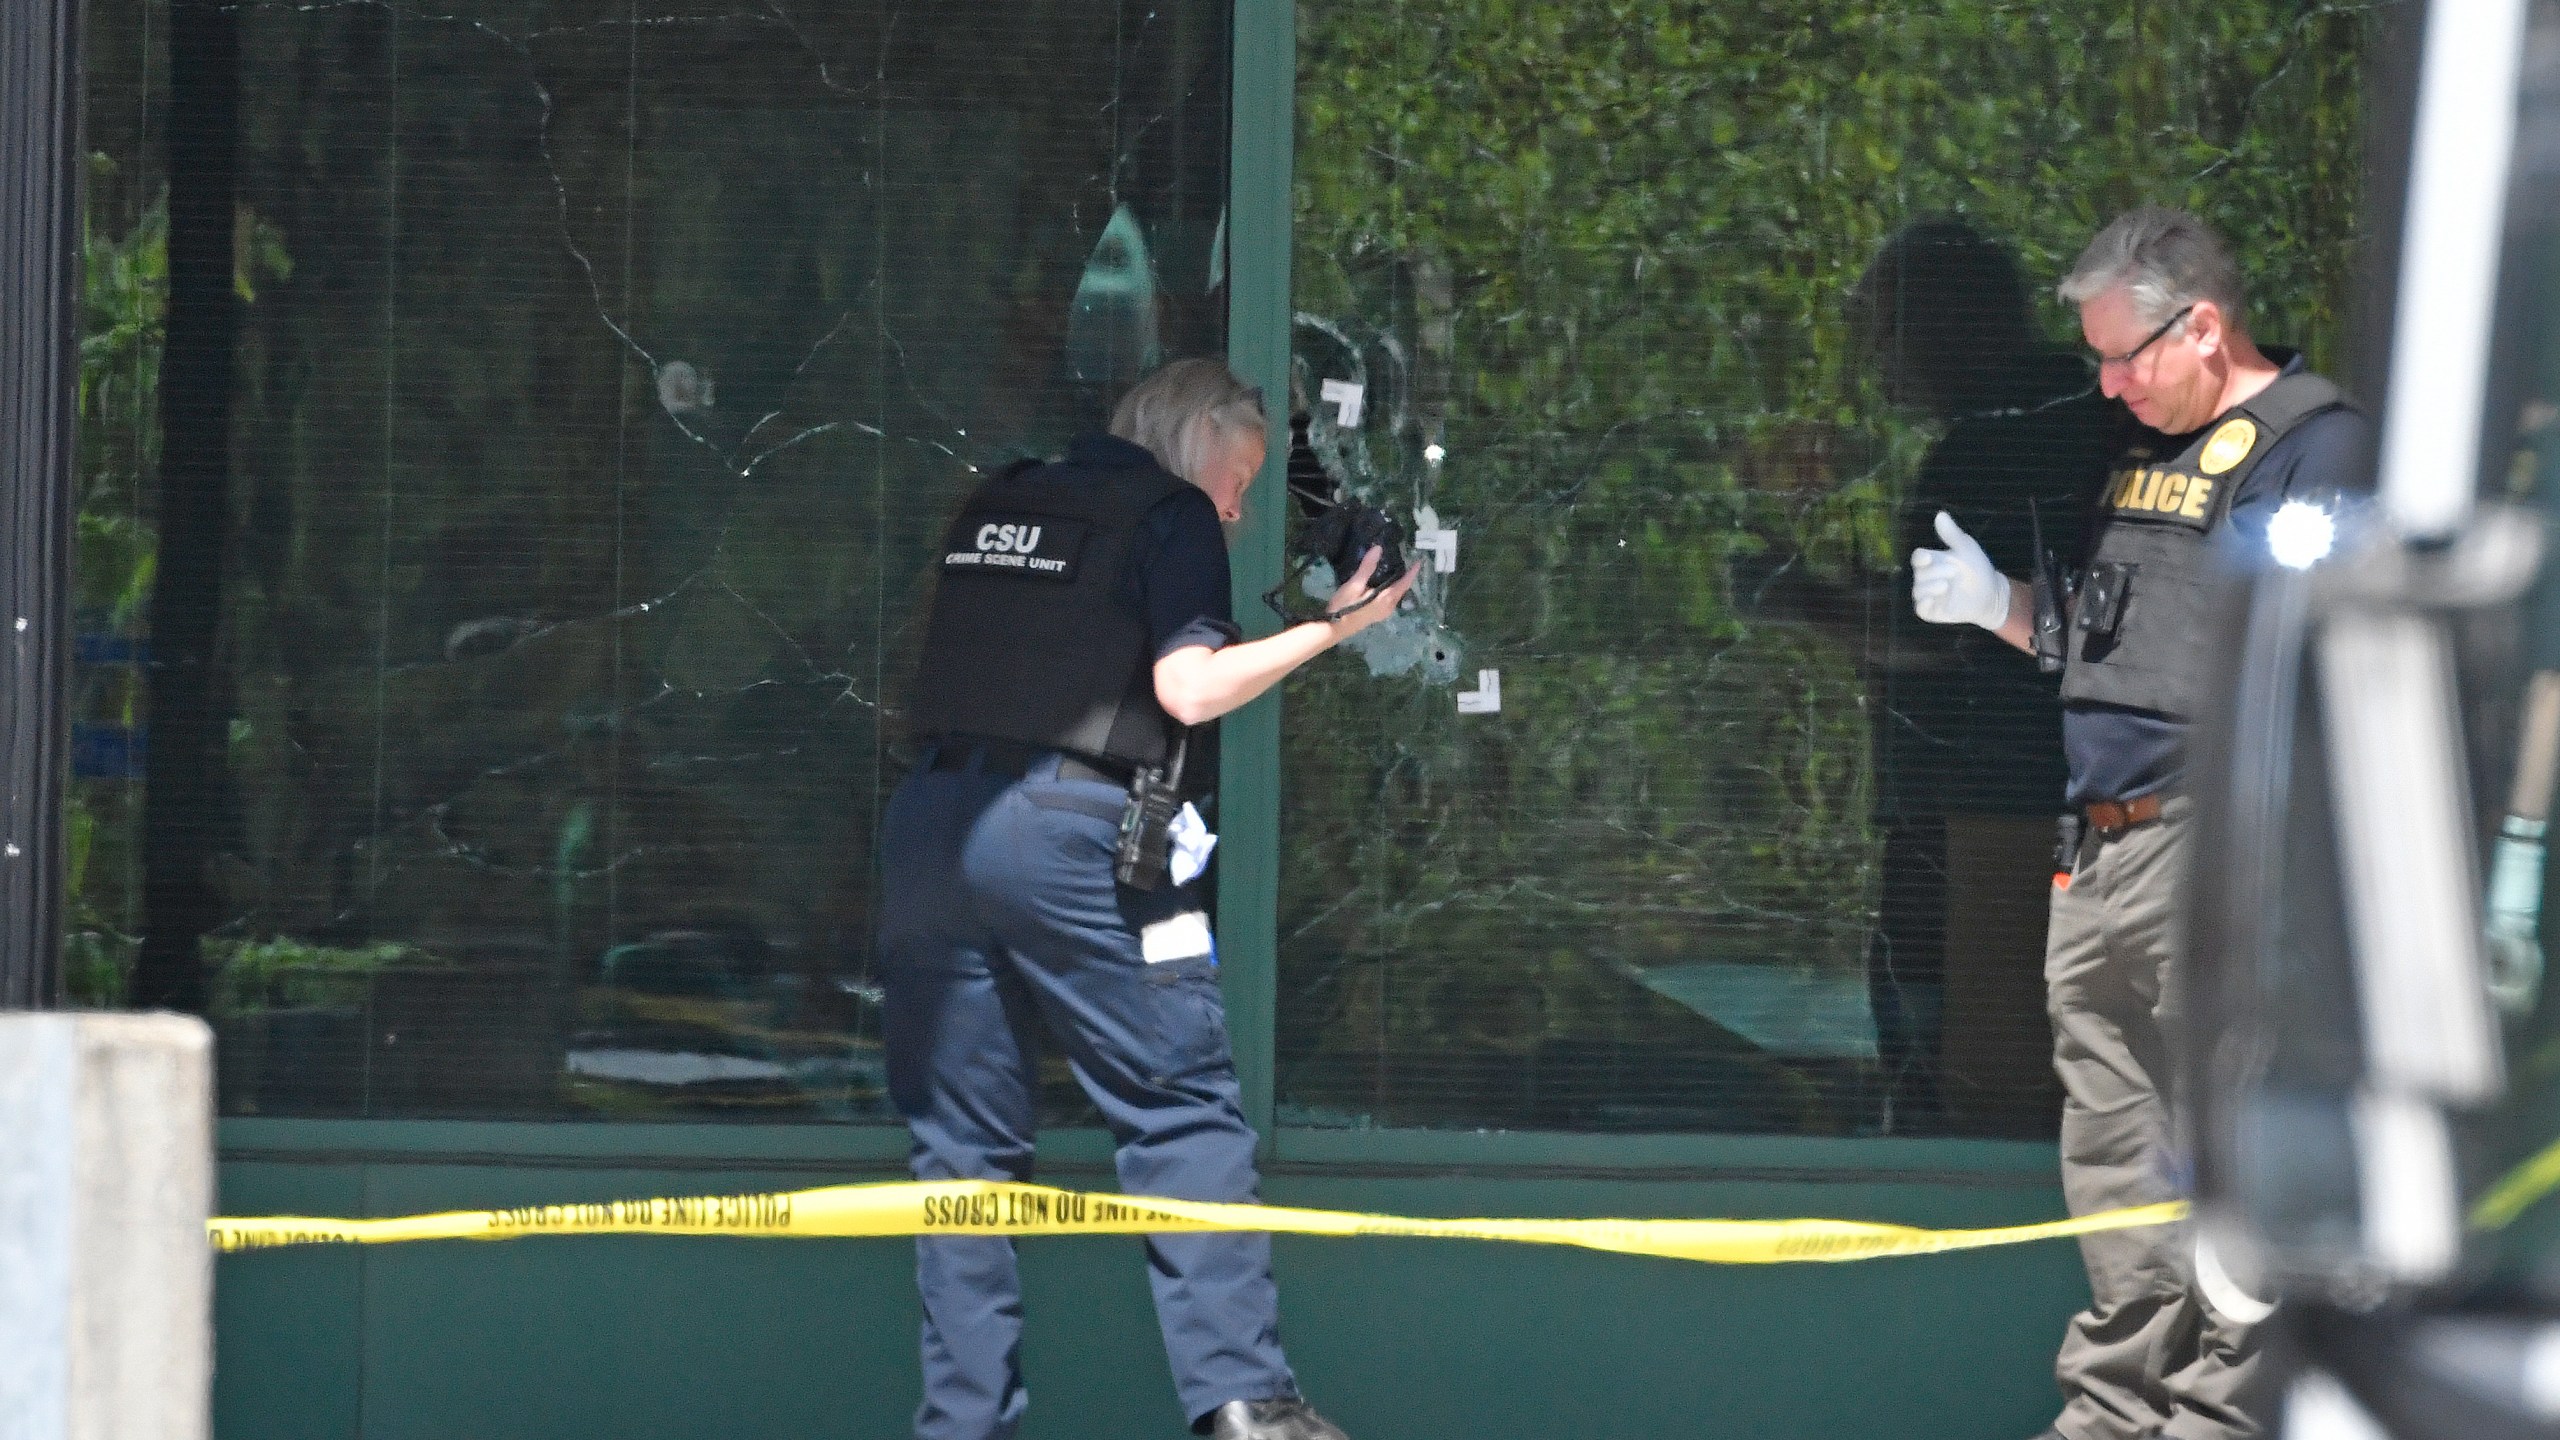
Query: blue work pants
[[1000, 920]]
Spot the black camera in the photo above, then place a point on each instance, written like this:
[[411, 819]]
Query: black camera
[[1334, 530], [1337, 536], [1343, 533]]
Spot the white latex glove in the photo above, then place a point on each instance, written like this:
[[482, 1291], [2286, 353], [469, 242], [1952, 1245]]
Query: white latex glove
[[1957, 585], [2515, 917], [1192, 840]]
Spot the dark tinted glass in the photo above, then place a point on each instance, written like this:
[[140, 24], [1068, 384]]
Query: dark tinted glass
[[2511, 706], [489, 716], [1687, 320]]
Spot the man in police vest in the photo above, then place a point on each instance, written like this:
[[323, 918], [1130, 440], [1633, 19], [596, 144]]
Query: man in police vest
[[2251, 455]]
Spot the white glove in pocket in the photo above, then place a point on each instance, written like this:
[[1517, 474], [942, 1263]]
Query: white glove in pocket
[[1192, 841]]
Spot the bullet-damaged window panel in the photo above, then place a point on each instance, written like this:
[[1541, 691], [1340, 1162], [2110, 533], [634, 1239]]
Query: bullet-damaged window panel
[[518, 449], [1668, 335]]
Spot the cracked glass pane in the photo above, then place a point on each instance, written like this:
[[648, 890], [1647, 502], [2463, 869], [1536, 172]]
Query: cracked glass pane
[[594, 383], [1676, 324]]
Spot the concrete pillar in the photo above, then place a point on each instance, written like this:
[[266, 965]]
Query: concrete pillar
[[106, 1179]]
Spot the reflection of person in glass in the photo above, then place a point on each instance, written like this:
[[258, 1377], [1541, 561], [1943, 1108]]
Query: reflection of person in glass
[[1967, 758], [2519, 859], [2250, 446], [1082, 627]]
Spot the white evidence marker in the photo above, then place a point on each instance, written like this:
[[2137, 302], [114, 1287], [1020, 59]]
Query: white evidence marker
[[1442, 543], [1486, 698], [1344, 396]]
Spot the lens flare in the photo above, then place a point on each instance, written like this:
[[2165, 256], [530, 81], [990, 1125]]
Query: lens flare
[[2301, 534]]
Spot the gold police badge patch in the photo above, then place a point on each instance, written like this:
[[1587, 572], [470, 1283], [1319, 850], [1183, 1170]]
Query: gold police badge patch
[[2229, 446]]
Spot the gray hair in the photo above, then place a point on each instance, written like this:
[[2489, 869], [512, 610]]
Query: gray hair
[[2165, 259], [1189, 411]]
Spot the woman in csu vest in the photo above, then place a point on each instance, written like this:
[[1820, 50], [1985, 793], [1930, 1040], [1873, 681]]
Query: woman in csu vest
[[1081, 626]]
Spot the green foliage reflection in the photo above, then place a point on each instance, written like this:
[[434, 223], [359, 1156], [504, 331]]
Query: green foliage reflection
[[1608, 245]]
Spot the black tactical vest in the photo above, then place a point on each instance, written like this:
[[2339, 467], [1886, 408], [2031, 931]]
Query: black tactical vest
[[2155, 526], [1032, 637]]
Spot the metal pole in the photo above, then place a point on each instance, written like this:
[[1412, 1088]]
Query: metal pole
[[40, 104]]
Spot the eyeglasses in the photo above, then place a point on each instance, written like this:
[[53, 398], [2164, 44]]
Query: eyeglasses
[[2127, 358]]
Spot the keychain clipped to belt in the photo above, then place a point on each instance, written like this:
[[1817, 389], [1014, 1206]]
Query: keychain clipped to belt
[[1144, 853]]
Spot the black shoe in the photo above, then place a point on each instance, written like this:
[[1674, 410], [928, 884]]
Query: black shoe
[[1270, 1420]]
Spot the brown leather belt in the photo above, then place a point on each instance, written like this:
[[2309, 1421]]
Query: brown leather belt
[[2111, 818]]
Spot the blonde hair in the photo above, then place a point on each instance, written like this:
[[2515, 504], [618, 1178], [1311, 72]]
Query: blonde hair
[[1186, 413]]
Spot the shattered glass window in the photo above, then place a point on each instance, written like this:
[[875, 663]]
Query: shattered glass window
[[1669, 328], [486, 706]]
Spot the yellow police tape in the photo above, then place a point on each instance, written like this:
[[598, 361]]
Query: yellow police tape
[[2520, 1190], [991, 1207]]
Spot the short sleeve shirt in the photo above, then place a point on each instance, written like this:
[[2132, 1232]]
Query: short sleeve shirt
[[2118, 752], [1177, 574]]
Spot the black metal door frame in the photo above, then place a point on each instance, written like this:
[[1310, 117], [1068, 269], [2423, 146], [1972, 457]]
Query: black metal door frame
[[40, 171]]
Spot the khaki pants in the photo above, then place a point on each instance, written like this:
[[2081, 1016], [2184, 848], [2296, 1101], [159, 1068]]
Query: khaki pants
[[2147, 1357]]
